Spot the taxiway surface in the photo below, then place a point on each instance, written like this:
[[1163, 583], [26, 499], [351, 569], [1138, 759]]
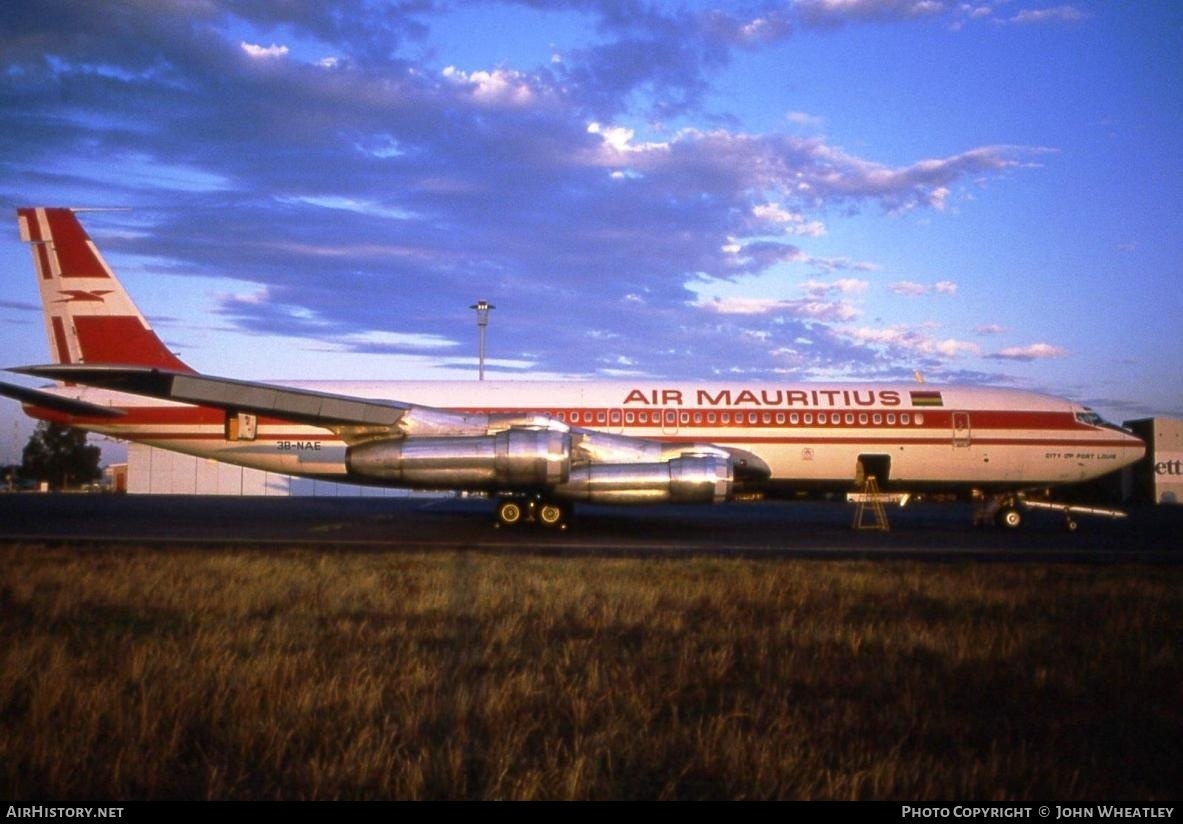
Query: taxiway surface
[[791, 529]]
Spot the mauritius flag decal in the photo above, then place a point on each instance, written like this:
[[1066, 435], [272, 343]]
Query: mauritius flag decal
[[926, 399]]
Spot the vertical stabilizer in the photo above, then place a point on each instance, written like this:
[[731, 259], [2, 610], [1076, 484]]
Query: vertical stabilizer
[[89, 316]]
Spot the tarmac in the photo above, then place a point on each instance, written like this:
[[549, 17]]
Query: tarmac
[[765, 529]]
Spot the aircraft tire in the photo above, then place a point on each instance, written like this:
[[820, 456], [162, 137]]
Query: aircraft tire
[[551, 515], [509, 512], [1010, 517]]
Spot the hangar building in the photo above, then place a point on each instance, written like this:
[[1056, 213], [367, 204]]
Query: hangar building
[[152, 471], [1158, 477]]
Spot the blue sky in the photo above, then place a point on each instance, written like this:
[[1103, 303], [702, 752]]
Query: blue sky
[[824, 189]]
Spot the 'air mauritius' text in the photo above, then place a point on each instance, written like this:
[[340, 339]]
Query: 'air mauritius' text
[[766, 397]]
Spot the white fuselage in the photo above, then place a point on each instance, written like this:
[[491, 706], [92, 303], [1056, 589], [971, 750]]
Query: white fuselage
[[809, 435]]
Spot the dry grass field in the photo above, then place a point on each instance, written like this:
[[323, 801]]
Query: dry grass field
[[131, 674]]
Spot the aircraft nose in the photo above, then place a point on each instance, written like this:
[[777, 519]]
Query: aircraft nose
[[1136, 448]]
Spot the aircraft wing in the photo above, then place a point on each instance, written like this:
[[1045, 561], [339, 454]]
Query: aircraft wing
[[297, 405], [57, 403]]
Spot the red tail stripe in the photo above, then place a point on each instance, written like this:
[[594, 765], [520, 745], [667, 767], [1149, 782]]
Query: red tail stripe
[[43, 261], [75, 254], [123, 340], [29, 216], [59, 340]]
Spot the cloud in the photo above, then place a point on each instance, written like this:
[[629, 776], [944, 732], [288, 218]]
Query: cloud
[[807, 172], [838, 12], [909, 288], [989, 329], [1056, 14], [805, 119], [792, 223], [263, 52], [19, 305], [499, 87], [905, 342], [1036, 351], [842, 286], [382, 190], [810, 309], [834, 13]]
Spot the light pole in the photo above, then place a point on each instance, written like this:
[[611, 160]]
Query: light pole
[[482, 308]]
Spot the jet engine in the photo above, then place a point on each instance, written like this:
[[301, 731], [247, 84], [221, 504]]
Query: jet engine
[[515, 458], [687, 479]]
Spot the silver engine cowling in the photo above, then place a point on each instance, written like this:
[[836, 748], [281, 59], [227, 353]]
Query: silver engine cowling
[[688, 479], [515, 458]]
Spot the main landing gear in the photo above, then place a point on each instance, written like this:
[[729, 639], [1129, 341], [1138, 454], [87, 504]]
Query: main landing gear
[[518, 509]]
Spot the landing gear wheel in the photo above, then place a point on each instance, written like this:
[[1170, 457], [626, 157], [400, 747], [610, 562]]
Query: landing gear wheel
[[509, 512], [1010, 517], [551, 515]]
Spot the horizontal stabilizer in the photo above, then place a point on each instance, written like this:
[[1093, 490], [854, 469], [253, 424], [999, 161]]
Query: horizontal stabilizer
[[57, 403], [297, 405]]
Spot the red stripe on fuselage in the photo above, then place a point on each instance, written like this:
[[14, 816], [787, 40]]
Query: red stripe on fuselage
[[718, 437], [928, 434], [981, 421]]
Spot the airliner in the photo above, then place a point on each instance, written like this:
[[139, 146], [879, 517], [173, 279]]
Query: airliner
[[537, 448]]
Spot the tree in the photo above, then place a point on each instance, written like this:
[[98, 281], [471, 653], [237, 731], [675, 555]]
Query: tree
[[61, 456]]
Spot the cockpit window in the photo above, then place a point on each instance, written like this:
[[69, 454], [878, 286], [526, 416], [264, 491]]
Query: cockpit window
[[1091, 418]]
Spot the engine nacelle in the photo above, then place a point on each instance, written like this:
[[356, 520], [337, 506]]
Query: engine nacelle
[[688, 479], [515, 458]]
